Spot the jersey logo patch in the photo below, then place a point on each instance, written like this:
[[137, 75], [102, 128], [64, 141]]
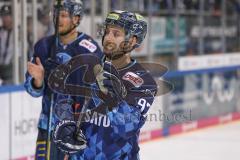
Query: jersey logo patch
[[89, 45], [136, 80], [62, 57]]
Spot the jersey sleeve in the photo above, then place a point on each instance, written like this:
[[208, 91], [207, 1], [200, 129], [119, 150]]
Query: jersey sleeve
[[40, 49], [126, 120], [31, 89]]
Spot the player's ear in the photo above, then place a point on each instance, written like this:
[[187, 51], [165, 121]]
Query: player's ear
[[133, 41]]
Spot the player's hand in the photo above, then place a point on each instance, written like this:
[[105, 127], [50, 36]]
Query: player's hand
[[68, 138], [110, 82], [37, 72]]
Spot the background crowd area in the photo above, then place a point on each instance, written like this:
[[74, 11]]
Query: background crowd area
[[177, 28]]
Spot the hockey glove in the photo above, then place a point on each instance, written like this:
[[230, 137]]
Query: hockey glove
[[67, 138], [110, 83]]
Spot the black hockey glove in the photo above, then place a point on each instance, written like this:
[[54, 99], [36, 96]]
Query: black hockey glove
[[67, 138], [110, 83]]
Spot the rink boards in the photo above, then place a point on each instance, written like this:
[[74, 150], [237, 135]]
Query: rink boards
[[200, 98]]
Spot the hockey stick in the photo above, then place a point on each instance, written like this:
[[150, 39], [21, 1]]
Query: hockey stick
[[52, 54], [92, 66], [90, 62]]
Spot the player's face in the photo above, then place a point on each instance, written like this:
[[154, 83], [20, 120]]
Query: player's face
[[65, 22], [114, 36], [7, 21]]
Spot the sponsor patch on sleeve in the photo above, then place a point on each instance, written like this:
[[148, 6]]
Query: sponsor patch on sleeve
[[89, 45], [133, 78]]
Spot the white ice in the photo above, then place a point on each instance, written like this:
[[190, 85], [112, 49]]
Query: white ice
[[214, 143]]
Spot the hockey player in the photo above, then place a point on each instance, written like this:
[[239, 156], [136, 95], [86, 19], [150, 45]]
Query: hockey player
[[114, 136], [49, 52]]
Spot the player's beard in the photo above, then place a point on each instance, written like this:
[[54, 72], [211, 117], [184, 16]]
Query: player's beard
[[110, 47], [115, 51], [66, 31]]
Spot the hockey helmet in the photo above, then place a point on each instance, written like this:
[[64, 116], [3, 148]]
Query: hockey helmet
[[133, 24], [74, 7]]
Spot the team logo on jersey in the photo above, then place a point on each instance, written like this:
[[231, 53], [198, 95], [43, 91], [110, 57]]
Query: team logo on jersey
[[89, 45], [135, 79], [63, 57]]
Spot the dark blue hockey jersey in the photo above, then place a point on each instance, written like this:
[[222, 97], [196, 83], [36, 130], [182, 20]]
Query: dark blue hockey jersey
[[114, 136], [62, 104]]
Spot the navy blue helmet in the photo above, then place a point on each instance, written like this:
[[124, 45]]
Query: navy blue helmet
[[133, 24], [74, 7]]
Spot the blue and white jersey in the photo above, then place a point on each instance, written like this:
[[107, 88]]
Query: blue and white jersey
[[62, 104], [114, 136]]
